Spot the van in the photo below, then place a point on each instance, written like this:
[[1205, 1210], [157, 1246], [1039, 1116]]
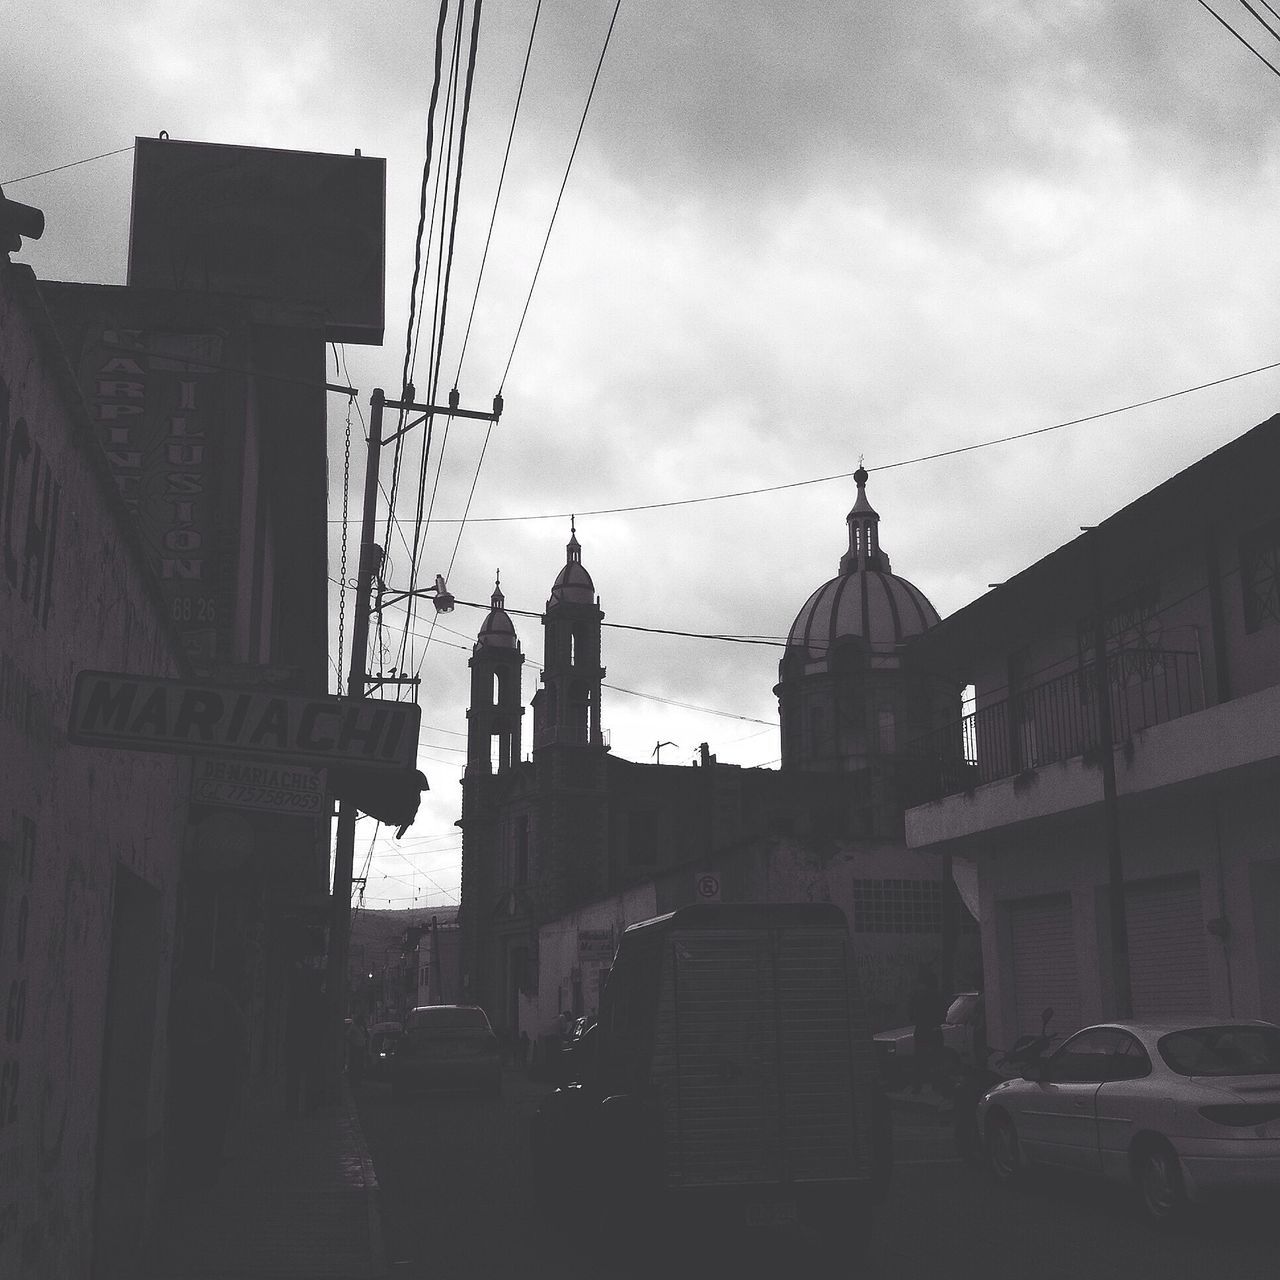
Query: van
[[730, 1080]]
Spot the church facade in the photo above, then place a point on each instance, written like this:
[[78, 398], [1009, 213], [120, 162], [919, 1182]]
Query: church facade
[[564, 847]]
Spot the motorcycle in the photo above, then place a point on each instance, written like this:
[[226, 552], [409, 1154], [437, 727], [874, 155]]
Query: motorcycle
[[974, 1083]]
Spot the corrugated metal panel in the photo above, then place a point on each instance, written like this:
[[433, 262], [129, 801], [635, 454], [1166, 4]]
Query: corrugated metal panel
[[750, 1021], [727, 1047], [820, 1138], [1044, 964], [1168, 952]]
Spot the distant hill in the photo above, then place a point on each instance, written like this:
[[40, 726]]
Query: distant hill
[[376, 935]]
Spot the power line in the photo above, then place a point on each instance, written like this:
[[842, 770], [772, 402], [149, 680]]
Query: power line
[[560, 195], [484, 257], [662, 631], [845, 475], [1262, 22], [1274, 70], [71, 164], [689, 706], [440, 313], [426, 170]]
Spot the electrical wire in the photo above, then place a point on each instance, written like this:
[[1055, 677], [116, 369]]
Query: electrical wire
[[1274, 70], [1262, 22], [440, 312], [420, 235], [493, 217], [560, 195], [71, 164], [845, 475], [426, 170]]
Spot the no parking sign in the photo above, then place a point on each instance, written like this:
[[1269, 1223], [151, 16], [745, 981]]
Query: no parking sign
[[706, 886]]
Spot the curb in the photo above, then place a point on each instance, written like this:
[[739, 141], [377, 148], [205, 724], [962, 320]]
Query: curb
[[378, 1267]]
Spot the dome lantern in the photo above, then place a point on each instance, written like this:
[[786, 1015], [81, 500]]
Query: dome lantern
[[497, 631], [866, 601], [573, 584]]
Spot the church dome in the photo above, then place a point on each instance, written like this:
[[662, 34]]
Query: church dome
[[573, 584], [497, 631], [865, 601]]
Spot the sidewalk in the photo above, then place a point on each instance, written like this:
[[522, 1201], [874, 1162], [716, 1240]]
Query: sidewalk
[[297, 1200]]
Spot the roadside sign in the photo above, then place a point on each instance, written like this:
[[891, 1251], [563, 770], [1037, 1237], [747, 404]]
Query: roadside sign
[[595, 945], [140, 713], [706, 886], [248, 784]]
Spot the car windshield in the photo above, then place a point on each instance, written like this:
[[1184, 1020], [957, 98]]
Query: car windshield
[[446, 1018], [962, 1008], [1223, 1051]]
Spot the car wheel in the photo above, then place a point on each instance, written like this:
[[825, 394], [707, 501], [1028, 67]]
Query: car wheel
[[1004, 1158], [1162, 1193]]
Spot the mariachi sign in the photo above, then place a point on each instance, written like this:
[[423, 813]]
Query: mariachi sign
[[140, 713], [250, 784]]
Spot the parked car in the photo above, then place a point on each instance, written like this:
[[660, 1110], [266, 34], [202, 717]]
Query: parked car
[[383, 1037], [729, 1081], [1176, 1109], [961, 1026], [446, 1044]]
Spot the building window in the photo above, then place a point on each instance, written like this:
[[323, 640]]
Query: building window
[[1260, 575], [897, 906]]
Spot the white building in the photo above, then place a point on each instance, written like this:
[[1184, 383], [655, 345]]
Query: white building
[[1181, 591]]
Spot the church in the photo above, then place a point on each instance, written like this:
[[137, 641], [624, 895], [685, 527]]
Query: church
[[564, 847]]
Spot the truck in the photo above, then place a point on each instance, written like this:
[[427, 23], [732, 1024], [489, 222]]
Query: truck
[[729, 1081]]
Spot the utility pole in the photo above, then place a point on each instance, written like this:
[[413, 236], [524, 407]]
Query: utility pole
[[1122, 994], [371, 556]]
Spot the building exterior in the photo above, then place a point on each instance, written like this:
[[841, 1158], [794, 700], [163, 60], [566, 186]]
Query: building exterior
[[1172, 608], [562, 849], [90, 842], [163, 481]]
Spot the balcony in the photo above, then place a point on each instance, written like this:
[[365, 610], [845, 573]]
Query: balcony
[[1057, 721]]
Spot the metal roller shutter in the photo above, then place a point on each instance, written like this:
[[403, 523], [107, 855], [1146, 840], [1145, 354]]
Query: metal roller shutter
[[1044, 964], [1168, 952]]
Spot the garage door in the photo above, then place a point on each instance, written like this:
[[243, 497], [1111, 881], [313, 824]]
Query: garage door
[[1168, 946], [1044, 964]]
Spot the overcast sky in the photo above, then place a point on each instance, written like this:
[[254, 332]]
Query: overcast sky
[[793, 235]]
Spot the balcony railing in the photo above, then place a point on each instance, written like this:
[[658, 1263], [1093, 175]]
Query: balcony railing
[[1058, 720]]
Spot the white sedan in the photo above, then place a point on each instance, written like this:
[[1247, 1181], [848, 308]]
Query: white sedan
[[1176, 1109]]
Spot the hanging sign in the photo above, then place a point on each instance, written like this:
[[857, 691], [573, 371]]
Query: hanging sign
[[140, 713], [250, 784]]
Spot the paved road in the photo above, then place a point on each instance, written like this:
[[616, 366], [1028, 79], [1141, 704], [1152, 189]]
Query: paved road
[[456, 1204]]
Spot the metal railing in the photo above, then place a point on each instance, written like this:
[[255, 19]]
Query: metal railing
[[1057, 720]]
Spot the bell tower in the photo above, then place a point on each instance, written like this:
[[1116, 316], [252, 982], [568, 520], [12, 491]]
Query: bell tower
[[496, 708], [566, 710]]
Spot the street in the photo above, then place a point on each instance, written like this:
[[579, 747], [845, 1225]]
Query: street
[[456, 1202]]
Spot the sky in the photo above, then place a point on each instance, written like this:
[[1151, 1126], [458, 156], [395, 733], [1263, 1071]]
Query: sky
[[792, 236]]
